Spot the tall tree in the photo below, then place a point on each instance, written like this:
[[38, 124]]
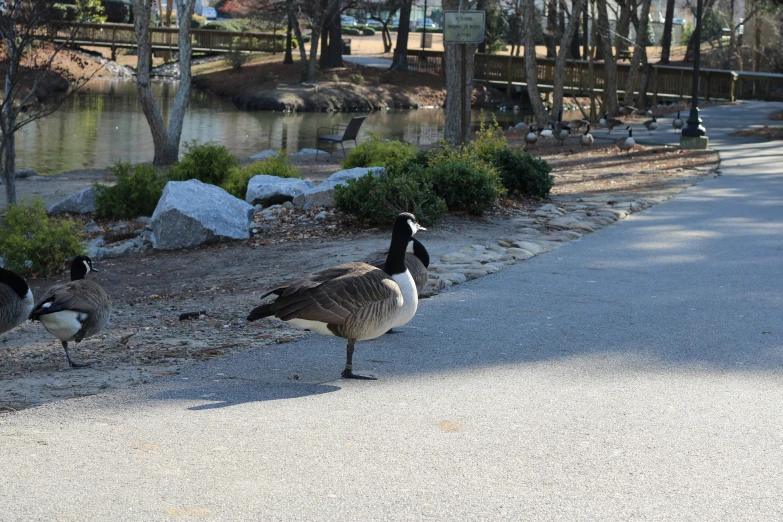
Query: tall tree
[[166, 140], [641, 47], [666, 38], [460, 60], [400, 58], [611, 104], [562, 54], [30, 60], [532, 30]]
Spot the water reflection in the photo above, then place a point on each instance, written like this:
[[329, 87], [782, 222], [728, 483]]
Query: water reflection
[[104, 123]]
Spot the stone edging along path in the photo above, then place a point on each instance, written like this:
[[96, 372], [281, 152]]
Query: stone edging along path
[[548, 227]]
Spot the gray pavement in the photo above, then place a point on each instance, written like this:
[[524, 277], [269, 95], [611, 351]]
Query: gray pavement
[[633, 374]]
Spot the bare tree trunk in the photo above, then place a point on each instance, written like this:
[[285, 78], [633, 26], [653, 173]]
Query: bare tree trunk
[[9, 163], [551, 28], [574, 41], [641, 46], [610, 65], [460, 59], [531, 65], [666, 41], [562, 54], [289, 55], [8, 148], [335, 40], [299, 38], [622, 26], [166, 142], [585, 34], [400, 59]]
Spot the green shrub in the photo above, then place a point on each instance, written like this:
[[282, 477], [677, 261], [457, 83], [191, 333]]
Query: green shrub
[[378, 152], [335, 78], [356, 79], [280, 166], [489, 140], [116, 11], [236, 59], [524, 175], [33, 243], [64, 12], [136, 193], [197, 22], [206, 162], [378, 199], [350, 31], [465, 185], [368, 31]]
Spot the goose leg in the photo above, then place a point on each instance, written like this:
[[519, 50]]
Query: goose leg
[[348, 372], [70, 361]]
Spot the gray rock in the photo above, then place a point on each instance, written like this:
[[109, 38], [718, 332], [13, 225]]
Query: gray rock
[[272, 190], [533, 248], [92, 227], [454, 257], [25, 173], [307, 153], [80, 203], [323, 194], [320, 216], [119, 249], [269, 153], [191, 213]]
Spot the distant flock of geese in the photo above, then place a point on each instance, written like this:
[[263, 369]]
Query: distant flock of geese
[[356, 301], [561, 130]]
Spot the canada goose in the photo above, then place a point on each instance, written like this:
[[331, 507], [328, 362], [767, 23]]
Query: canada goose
[[586, 139], [355, 301], [651, 124], [531, 137], [610, 123], [677, 123], [626, 144], [575, 125], [562, 135], [16, 300], [76, 310], [545, 133], [625, 110], [416, 263]]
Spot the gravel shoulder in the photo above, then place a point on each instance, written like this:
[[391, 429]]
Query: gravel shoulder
[[149, 290]]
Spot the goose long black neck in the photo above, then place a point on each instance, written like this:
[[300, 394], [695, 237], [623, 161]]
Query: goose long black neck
[[17, 283], [395, 260], [421, 252]]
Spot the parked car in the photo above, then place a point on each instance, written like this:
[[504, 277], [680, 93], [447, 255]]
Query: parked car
[[210, 13], [678, 21], [427, 23], [374, 22], [347, 20]]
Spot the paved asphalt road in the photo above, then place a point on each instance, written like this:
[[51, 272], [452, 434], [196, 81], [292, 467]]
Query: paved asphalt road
[[635, 374]]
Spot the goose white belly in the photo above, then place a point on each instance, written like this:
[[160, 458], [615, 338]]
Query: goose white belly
[[64, 324], [410, 298]]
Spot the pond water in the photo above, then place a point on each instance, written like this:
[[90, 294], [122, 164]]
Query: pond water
[[104, 123]]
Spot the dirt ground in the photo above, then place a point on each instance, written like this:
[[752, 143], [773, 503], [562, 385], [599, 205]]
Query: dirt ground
[[145, 338]]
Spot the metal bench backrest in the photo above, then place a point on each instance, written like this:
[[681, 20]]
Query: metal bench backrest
[[353, 128]]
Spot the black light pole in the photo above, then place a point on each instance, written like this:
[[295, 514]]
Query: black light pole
[[695, 128], [424, 27]]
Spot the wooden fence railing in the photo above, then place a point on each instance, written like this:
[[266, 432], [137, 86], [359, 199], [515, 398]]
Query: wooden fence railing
[[167, 38], [666, 82]]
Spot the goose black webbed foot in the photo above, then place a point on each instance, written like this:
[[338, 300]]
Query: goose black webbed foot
[[348, 374]]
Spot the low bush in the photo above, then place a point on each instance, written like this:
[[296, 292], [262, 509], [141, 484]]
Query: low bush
[[335, 78], [356, 79], [117, 11], [197, 22], [378, 152], [280, 166], [368, 31], [524, 175], [236, 59], [136, 193], [350, 31], [206, 162], [378, 199], [433, 30], [465, 185], [489, 141], [33, 243], [64, 12]]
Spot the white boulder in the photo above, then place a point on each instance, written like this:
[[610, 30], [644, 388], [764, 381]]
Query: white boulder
[[273, 190], [323, 194], [191, 213], [82, 202]]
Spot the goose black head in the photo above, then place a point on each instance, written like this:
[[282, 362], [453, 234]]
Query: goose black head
[[15, 282], [630, 132], [406, 225], [80, 267], [678, 115]]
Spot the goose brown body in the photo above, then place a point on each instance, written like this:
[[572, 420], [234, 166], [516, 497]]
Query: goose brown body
[[356, 301]]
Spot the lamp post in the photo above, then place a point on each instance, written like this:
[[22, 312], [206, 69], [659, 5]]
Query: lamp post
[[694, 136], [424, 27]]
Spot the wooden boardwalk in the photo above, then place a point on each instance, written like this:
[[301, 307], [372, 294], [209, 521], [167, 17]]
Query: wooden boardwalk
[[123, 36], [666, 83]]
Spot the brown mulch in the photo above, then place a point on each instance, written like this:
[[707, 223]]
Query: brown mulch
[[777, 116], [765, 133]]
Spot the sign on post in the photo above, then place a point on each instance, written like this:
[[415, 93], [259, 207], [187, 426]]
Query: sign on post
[[463, 26]]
